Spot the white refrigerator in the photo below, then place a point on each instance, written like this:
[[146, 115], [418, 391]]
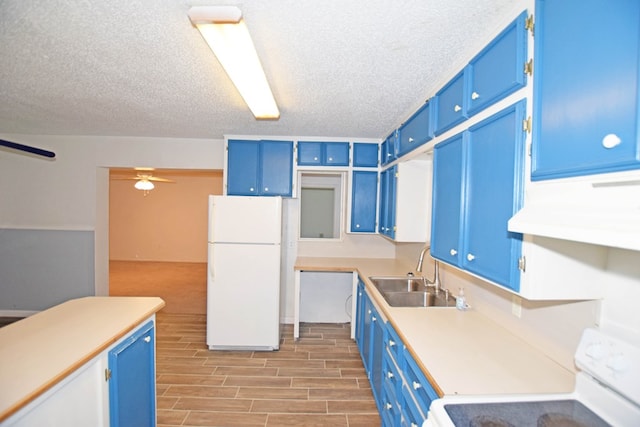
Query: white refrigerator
[[243, 283]]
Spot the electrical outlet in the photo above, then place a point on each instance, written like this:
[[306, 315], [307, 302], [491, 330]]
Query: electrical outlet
[[516, 306]]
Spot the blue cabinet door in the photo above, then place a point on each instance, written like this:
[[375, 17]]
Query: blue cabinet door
[[494, 193], [276, 169], [309, 153], [389, 149], [387, 217], [365, 155], [450, 104], [377, 349], [364, 194], [336, 154], [498, 69], [416, 131], [243, 162], [586, 88], [360, 316], [446, 222], [132, 395]]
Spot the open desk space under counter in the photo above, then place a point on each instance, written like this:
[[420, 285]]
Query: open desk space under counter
[[460, 352], [70, 364]]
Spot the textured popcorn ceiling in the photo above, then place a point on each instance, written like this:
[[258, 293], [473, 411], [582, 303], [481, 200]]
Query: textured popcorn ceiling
[[138, 67]]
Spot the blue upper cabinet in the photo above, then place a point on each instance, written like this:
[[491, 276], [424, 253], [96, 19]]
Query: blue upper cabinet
[[365, 155], [498, 70], [450, 104], [477, 187], [586, 88], [389, 149], [312, 153], [259, 168], [364, 193], [416, 131]]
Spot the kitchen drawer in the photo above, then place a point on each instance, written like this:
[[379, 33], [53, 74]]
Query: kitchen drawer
[[419, 386], [394, 345], [392, 376]]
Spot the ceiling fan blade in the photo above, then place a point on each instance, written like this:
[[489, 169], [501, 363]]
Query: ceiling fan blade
[[28, 149], [154, 178]]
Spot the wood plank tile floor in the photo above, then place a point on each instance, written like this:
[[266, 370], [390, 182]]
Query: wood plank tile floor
[[318, 380]]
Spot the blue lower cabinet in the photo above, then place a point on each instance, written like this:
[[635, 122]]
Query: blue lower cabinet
[[132, 385], [417, 391]]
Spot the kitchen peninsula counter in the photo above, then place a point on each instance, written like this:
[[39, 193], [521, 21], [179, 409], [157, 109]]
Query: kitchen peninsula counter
[[40, 351], [461, 352]]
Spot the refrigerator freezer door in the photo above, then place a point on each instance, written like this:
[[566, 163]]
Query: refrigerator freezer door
[[243, 297], [241, 219]]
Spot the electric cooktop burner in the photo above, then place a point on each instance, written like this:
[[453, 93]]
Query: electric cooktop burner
[[551, 413]]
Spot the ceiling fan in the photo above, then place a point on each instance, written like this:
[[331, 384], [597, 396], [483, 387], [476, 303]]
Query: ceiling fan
[[27, 149], [145, 180]]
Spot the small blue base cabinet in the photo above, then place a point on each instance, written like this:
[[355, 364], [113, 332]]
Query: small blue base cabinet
[[132, 395]]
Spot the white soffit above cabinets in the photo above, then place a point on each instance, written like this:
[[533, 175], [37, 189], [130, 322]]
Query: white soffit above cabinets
[[601, 210], [140, 68]]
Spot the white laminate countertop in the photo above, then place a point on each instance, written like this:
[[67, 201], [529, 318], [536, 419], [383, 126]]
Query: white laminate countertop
[[41, 350], [461, 352]]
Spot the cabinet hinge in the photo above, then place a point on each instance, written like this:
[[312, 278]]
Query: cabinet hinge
[[528, 67], [526, 125], [107, 374], [529, 24], [522, 263]]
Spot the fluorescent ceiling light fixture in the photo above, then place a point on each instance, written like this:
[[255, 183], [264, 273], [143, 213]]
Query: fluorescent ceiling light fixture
[[227, 35]]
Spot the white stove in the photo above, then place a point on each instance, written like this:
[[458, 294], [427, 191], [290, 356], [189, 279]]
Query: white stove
[[607, 393]]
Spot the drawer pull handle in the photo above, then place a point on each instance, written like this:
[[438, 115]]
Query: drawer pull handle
[[147, 339], [457, 108], [453, 252], [416, 385], [475, 95], [470, 257], [392, 343], [611, 140]]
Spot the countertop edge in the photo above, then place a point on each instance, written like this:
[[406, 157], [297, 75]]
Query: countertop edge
[[82, 359]]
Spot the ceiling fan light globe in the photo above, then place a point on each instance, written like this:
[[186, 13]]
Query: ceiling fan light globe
[[144, 184]]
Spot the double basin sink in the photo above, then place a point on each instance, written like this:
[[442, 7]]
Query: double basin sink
[[409, 291]]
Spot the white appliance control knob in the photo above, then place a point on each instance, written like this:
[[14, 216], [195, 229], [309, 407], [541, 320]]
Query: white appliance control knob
[[618, 363], [595, 351]]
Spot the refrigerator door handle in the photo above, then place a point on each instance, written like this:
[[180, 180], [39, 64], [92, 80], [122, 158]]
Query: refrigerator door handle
[[212, 269]]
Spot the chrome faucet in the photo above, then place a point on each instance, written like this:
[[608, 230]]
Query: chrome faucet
[[435, 281]]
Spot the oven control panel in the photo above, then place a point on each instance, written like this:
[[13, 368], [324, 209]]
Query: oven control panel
[[611, 361]]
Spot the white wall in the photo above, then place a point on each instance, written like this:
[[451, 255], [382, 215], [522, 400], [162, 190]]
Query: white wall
[[71, 191]]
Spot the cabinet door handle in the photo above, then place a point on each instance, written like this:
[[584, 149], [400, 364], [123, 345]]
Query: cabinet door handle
[[470, 257], [392, 343], [266, 188], [389, 406], [416, 385], [410, 139], [475, 95], [315, 158], [453, 252], [389, 374], [357, 225], [373, 319], [611, 140], [252, 189], [457, 108], [331, 159], [147, 339]]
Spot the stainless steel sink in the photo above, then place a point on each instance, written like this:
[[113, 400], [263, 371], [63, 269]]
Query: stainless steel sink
[[398, 283], [406, 291]]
